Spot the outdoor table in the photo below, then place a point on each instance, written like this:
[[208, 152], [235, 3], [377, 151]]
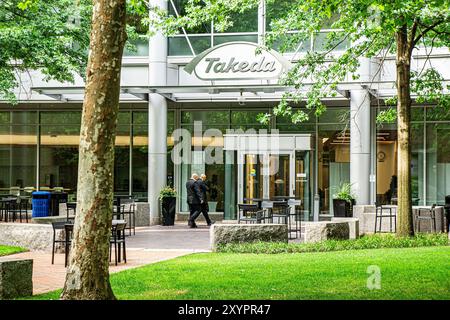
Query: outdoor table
[[68, 228]]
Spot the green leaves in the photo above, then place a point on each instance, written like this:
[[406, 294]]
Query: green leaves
[[50, 36]]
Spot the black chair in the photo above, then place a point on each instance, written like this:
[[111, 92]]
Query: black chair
[[280, 211], [19, 207], [385, 212], [117, 239], [295, 219], [10, 210], [250, 213], [58, 226], [71, 207], [128, 213], [425, 214], [118, 212]]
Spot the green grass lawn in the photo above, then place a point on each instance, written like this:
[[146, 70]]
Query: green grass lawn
[[409, 273], [6, 250]]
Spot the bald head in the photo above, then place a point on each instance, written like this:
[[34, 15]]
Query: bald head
[[194, 176]]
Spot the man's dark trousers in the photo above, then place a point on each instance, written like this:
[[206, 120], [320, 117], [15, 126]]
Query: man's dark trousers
[[194, 211], [205, 210]]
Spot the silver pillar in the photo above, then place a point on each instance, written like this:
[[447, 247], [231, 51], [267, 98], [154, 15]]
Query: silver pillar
[[360, 145], [157, 120], [261, 22]]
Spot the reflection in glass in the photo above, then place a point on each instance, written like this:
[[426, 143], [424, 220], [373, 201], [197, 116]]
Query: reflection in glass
[[253, 177], [279, 176], [438, 162], [59, 156], [333, 163], [303, 178], [18, 141], [122, 160]]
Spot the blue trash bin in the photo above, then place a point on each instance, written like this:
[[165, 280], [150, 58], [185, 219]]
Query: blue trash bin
[[41, 203]]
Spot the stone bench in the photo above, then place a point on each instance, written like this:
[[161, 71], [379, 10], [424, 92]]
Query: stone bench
[[16, 278], [241, 233], [33, 236], [317, 231]]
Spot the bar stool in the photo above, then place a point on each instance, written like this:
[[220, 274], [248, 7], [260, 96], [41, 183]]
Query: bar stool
[[379, 215], [430, 215]]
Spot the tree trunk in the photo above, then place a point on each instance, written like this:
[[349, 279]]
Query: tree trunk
[[88, 272], [404, 223]]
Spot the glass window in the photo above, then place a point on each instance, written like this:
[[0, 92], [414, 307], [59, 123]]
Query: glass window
[[322, 42], [438, 163], [438, 114], [139, 49], [210, 118], [180, 9], [18, 146], [59, 154], [276, 10], [335, 115], [179, 46], [386, 157], [122, 160], [140, 117], [417, 163], [246, 21], [417, 113], [140, 160], [219, 39], [61, 117], [333, 163]]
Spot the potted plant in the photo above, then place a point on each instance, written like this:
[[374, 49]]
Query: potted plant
[[343, 201], [168, 199]]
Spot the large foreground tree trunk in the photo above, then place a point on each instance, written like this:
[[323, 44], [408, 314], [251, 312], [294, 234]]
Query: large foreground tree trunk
[[404, 51], [88, 273]]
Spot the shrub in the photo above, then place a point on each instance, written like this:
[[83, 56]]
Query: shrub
[[376, 241]]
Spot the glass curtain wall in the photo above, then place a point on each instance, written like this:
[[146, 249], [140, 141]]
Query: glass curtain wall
[[333, 154], [220, 169], [245, 28], [51, 139], [430, 150], [18, 152], [437, 133], [59, 140]]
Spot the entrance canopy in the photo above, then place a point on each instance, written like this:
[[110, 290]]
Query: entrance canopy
[[219, 92]]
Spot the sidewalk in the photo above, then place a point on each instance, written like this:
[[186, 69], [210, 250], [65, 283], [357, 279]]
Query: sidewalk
[[149, 245]]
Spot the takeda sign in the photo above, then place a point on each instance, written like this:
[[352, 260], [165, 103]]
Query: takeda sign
[[238, 61]]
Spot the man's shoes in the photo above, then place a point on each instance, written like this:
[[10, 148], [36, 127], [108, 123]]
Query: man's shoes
[[192, 226], [212, 222]]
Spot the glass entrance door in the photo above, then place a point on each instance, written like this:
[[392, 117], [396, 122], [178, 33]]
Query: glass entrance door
[[280, 176], [253, 177], [269, 175], [266, 176]]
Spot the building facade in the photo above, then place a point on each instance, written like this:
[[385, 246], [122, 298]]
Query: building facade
[[176, 120]]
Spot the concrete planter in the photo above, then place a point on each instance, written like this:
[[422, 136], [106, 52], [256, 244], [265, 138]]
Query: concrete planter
[[15, 278], [241, 233]]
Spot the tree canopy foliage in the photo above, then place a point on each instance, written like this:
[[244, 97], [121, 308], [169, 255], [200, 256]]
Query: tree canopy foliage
[[51, 36]]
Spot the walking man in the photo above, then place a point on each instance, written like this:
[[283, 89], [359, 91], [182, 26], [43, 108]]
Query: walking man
[[204, 189], [194, 199]]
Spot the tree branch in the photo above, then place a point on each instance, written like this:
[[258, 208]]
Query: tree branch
[[427, 28]]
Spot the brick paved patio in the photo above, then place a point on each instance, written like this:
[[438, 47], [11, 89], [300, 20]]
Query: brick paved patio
[[149, 245]]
